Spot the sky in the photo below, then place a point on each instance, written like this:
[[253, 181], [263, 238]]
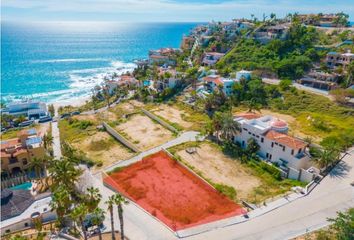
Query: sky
[[163, 10]]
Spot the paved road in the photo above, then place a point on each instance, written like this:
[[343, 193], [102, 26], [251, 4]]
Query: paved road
[[56, 137], [300, 87], [309, 213], [184, 137]]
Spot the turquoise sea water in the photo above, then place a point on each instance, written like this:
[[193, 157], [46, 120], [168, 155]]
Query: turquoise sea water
[[61, 61]]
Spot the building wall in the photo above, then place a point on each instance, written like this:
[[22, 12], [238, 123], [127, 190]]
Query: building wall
[[23, 159], [270, 150]]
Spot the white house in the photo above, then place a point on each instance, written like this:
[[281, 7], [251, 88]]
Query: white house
[[275, 144], [28, 108], [243, 74]]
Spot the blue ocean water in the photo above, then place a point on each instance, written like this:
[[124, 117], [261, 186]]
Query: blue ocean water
[[61, 61]]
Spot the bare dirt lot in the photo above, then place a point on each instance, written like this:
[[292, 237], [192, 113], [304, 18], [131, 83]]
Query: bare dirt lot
[[219, 168], [102, 147], [143, 132], [173, 115]]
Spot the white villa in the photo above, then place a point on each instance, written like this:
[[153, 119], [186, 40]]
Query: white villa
[[276, 146], [28, 108]]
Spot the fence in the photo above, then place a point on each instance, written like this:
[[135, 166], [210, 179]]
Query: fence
[[14, 180], [159, 120], [120, 138]]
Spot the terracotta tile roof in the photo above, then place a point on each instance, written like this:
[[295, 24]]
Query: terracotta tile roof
[[215, 79], [248, 115], [10, 142], [286, 140]]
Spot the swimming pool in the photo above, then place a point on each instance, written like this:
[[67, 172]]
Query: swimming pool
[[23, 186]]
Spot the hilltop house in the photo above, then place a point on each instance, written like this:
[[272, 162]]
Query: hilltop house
[[214, 82], [168, 78], [163, 56], [266, 34], [210, 58], [334, 59], [276, 146], [17, 153], [320, 80], [30, 109], [322, 20]]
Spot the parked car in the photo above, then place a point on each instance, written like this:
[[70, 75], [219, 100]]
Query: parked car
[[26, 123], [75, 113], [45, 119], [65, 115]]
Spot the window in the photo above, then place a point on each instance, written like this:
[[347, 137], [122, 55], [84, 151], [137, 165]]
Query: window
[[24, 162], [292, 151], [270, 156], [299, 150], [245, 129], [254, 135], [262, 139], [249, 133], [26, 224], [276, 143], [283, 148], [272, 144], [257, 136], [7, 231]]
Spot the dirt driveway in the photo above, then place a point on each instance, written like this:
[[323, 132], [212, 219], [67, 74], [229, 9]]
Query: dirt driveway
[[143, 132], [219, 168]]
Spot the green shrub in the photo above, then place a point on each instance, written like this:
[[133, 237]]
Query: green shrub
[[226, 190]]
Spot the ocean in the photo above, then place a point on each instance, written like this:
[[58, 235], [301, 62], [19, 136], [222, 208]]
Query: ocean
[[63, 61]]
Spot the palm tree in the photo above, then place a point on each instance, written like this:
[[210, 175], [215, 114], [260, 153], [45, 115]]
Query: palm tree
[[97, 219], [229, 127], [93, 198], [36, 165], [78, 215], [327, 156], [61, 202], [110, 203], [119, 200], [47, 140], [64, 172]]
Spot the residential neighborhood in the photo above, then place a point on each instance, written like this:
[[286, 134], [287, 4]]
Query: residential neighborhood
[[212, 140]]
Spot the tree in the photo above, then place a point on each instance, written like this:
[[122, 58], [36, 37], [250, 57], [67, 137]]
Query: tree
[[78, 215], [97, 219], [119, 200], [61, 202], [327, 156], [110, 203], [93, 198], [224, 126], [36, 165], [51, 109], [252, 148], [64, 172], [253, 105], [343, 225], [47, 140]]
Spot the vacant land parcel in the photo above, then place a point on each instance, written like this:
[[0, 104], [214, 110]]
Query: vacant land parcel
[[172, 193]]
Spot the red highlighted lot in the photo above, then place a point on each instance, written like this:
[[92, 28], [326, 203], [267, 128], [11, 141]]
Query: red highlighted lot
[[172, 193]]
